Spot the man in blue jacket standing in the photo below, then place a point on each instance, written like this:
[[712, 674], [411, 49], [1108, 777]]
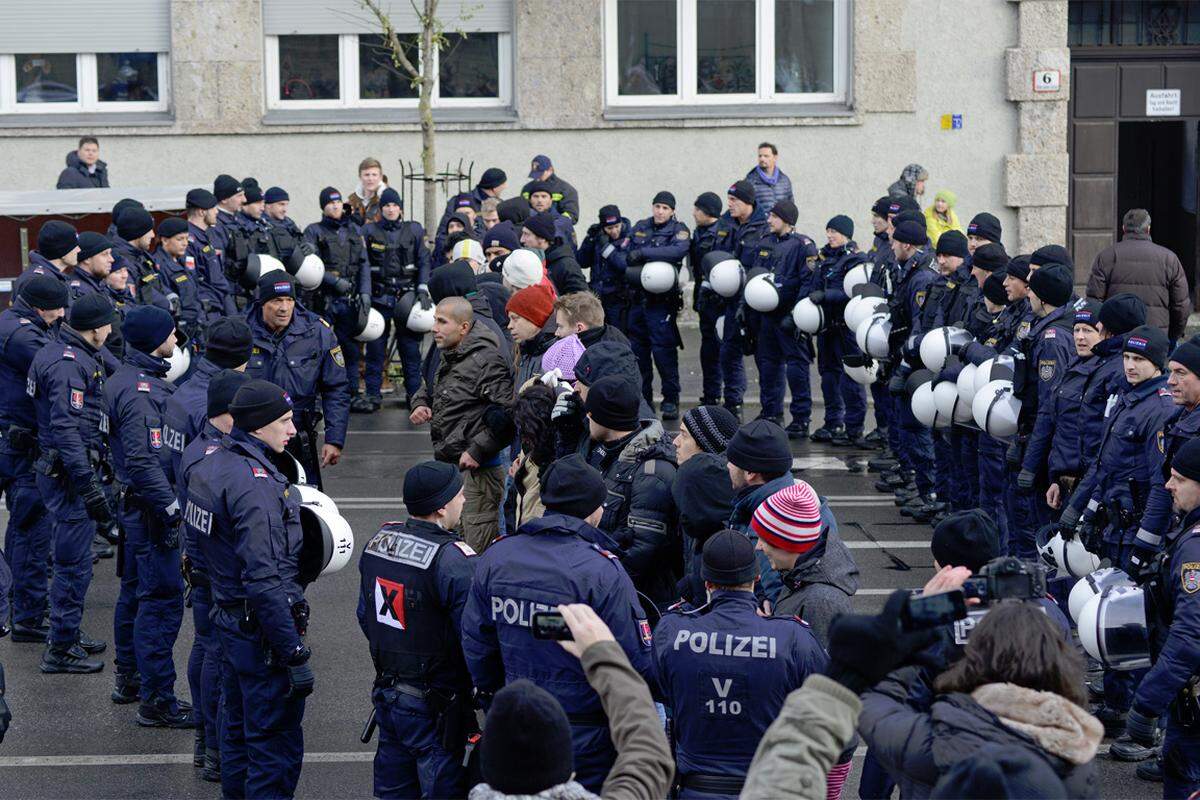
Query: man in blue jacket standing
[[770, 184]]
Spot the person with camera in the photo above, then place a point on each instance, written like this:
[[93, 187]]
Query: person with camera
[[1173, 617], [416, 577]]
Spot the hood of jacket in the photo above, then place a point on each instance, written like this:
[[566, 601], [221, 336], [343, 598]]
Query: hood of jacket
[[830, 563], [562, 791], [703, 495], [1058, 726], [73, 161], [649, 442]]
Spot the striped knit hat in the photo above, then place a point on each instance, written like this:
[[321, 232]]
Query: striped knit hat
[[711, 426], [790, 519]]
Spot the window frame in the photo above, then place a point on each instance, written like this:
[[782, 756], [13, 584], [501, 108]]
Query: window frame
[[88, 92], [349, 80], [686, 32]]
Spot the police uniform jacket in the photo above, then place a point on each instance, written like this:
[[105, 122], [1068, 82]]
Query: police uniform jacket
[[704, 240], [1065, 408], [283, 235], [82, 283], [181, 280], [415, 583], [38, 265], [916, 276], [185, 412], [596, 253], [212, 287], [1180, 429], [398, 259], [829, 278], [306, 361], [1104, 385], [146, 285], [1038, 368], [66, 382], [1011, 324], [339, 244], [137, 394], [22, 336], [247, 521], [740, 238], [884, 269], [548, 562], [207, 442], [725, 672]]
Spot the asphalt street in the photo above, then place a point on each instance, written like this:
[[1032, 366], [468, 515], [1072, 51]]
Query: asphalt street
[[69, 740]]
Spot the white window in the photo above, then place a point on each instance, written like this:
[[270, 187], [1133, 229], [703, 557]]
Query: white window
[[355, 70], [72, 83], [713, 52]]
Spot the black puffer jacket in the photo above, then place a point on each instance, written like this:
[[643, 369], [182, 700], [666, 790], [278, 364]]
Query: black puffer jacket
[[564, 270], [703, 496], [76, 175]]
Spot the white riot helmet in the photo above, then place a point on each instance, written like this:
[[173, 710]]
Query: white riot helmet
[[372, 327], [861, 369], [993, 369], [1112, 628], [925, 409], [179, 362], [761, 294], [328, 539], [855, 277], [658, 277], [1093, 585], [940, 343], [310, 272], [259, 264], [949, 404], [411, 314], [873, 334], [289, 466], [861, 308], [995, 409], [720, 327], [808, 316], [966, 384], [1070, 557], [726, 276]]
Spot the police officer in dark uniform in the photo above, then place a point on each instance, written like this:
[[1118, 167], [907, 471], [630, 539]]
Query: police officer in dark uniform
[[150, 605], [709, 305], [296, 349], [604, 239], [230, 245], [135, 232], [66, 381], [1172, 615], [416, 578], [57, 251], [247, 521], [216, 295], [399, 264], [551, 561], [284, 233], [204, 662], [725, 671], [652, 329], [738, 232], [173, 268], [25, 329], [1119, 314]]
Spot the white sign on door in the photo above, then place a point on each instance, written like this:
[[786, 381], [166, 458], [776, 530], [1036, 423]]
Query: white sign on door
[[1163, 102]]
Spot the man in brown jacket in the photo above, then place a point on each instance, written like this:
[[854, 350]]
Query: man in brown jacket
[[1152, 272], [469, 411]]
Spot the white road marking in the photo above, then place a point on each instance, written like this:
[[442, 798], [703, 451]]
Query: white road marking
[[143, 759]]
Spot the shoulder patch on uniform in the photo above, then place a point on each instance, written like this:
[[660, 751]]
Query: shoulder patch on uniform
[[604, 552], [644, 630], [1023, 329], [1046, 368], [325, 322], [1049, 333], [259, 472], [77, 399], [156, 438], [212, 448], [1189, 576], [68, 353], [338, 358], [920, 298], [143, 386], [24, 321], [466, 549], [682, 234]]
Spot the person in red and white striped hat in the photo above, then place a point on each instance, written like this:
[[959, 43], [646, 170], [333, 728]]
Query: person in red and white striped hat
[[798, 535]]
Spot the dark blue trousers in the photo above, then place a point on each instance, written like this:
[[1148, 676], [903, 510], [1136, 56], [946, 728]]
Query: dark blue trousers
[[159, 608], [1181, 760], [710, 309], [965, 443], [408, 344], [917, 445], [781, 356], [993, 480], [733, 366], [410, 761], [594, 755], [72, 546], [204, 667], [652, 334], [26, 540], [883, 405], [845, 400]]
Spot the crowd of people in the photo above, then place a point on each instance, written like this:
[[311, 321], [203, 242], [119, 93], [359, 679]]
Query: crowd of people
[[181, 401]]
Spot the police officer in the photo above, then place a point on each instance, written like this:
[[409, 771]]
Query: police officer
[[296, 349], [25, 329], [783, 352], [738, 232], [1119, 314], [725, 671], [227, 239], [399, 264], [135, 232], [150, 605], [607, 278], [57, 251], [94, 265], [66, 382], [284, 233], [204, 661], [416, 578], [551, 561], [247, 520], [1172, 613], [215, 293], [172, 261], [652, 329], [709, 305], [882, 260]]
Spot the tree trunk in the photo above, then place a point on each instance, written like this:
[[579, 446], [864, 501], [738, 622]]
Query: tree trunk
[[425, 108]]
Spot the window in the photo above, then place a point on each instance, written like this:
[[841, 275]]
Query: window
[[84, 82], [712, 52], [1125, 23], [356, 71]]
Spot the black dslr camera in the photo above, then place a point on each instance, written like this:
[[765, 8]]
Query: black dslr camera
[[1007, 578]]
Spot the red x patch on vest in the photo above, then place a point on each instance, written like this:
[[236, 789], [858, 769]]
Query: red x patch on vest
[[389, 603]]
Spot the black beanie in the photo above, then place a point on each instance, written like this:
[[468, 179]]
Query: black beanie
[[276, 194], [1186, 460], [842, 224], [985, 226], [709, 203], [1087, 313], [1051, 254], [221, 390], [56, 238], [711, 426], [1122, 312], [257, 404], [45, 293], [455, 279], [1018, 267], [1187, 354], [225, 187], [990, 257], [966, 539], [90, 312], [122, 204], [172, 226], [728, 559], [743, 190], [572, 486], [526, 741], [881, 207], [993, 289], [254, 193], [760, 446], [609, 215], [430, 485], [911, 216], [492, 177], [229, 342], [145, 328], [1150, 342], [515, 210], [390, 196], [542, 224], [92, 244], [613, 402], [1052, 284], [664, 197], [134, 223], [276, 283], [952, 243], [201, 198], [909, 232], [904, 205], [328, 195]]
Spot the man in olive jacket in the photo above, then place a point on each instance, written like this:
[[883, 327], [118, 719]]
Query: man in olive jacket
[[469, 411]]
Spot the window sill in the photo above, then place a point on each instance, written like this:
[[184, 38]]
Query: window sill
[[96, 119], [360, 116], [749, 111]]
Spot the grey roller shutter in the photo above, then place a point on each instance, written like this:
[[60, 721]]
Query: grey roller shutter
[[85, 26], [284, 17]]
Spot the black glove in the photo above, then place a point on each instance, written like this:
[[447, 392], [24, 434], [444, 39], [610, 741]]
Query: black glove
[[364, 300], [1142, 729], [171, 529], [635, 258], [5, 714], [300, 674], [343, 287], [1012, 456], [98, 508], [1068, 521], [817, 297], [1025, 480], [864, 649]]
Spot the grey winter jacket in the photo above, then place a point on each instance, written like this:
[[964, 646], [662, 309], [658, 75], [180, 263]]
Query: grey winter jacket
[[820, 586]]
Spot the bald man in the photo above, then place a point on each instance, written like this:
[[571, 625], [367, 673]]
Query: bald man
[[468, 408]]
